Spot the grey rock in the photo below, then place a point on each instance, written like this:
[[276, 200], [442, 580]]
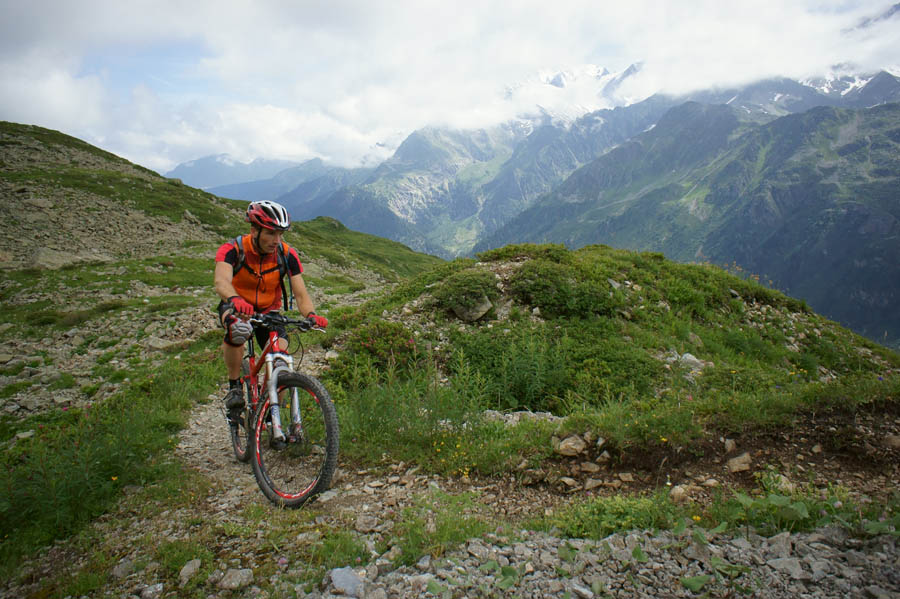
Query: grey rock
[[123, 569], [44, 203], [366, 523], [189, 570], [678, 494], [877, 592], [779, 545], [346, 582], [424, 563], [473, 313], [153, 591], [236, 579], [158, 344], [739, 464], [691, 361], [790, 565], [571, 446], [478, 550], [327, 496], [582, 591], [52, 259]]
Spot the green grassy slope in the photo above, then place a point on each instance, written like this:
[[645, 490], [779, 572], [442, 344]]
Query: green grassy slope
[[610, 348], [104, 357], [598, 337]]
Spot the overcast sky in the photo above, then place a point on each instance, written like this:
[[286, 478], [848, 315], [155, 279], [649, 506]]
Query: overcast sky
[[161, 82]]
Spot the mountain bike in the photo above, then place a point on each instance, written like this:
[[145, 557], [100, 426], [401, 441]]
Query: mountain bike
[[288, 427]]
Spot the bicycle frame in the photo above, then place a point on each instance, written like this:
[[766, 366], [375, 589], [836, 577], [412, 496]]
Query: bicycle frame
[[269, 380]]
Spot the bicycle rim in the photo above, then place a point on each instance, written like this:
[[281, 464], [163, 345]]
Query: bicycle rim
[[292, 472]]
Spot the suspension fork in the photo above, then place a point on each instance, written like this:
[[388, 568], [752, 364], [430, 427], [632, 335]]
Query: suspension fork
[[273, 371]]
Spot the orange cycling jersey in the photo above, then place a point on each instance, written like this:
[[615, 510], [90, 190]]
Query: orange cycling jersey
[[258, 280]]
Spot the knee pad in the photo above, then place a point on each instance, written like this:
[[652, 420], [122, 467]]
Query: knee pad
[[238, 331]]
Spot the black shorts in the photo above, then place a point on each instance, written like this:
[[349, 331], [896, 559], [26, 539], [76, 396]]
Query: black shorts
[[260, 332]]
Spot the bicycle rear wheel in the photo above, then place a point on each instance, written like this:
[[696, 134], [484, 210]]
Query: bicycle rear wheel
[[294, 470], [239, 423]]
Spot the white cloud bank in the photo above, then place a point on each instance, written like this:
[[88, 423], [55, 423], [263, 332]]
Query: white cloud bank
[[163, 82]]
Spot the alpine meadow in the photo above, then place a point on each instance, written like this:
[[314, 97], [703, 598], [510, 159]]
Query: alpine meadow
[[530, 420]]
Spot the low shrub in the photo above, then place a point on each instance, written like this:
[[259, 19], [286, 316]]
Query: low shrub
[[375, 348], [525, 368], [466, 289], [553, 252], [603, 516], [561, 290]]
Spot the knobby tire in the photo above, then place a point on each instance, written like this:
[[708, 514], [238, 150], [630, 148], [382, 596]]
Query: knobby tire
[[240, 427], [292, 473]]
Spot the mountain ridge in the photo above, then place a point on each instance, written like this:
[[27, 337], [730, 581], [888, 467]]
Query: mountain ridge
[[754, 202]]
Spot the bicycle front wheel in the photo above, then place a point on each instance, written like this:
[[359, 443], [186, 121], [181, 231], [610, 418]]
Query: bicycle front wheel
[[293, 470]]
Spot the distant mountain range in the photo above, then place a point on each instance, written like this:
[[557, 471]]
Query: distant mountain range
[[222, 169], [781, 177], [810, 202]]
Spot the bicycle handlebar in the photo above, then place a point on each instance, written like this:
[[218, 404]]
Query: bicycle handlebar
[[271, 319]]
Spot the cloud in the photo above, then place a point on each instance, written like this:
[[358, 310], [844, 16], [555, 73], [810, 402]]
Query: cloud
[[54, 98], [163, 82]]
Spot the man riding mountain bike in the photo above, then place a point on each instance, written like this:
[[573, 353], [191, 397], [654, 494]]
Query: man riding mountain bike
[[249, 277]]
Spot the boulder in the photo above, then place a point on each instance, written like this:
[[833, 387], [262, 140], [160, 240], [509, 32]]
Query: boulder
[[189, 570], [473, 313], [739, 464], [571, 446], [346, 582], [236, 579]]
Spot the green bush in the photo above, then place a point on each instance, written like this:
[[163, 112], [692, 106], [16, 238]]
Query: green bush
[[466, 289], [544, 284], [451, 520], [526, 368], [375, 349], [561, 290], [774, 507], [74, 467], [554, 252]]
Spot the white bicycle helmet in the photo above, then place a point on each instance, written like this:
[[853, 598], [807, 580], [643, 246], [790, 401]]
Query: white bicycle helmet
[[269, 215]]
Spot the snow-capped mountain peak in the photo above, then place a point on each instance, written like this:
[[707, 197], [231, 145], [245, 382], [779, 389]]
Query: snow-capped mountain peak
[[564, 95], [840, 80]]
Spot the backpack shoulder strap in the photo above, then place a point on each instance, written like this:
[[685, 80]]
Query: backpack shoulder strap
[[282, 259], [239, 246], [282, 271]]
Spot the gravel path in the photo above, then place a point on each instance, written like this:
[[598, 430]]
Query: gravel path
[[825, 563]]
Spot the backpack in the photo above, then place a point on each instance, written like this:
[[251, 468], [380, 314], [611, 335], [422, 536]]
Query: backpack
[[281, 266]]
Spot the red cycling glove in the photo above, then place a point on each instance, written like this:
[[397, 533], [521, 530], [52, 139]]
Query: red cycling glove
[[320, 321], [241, 305]]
